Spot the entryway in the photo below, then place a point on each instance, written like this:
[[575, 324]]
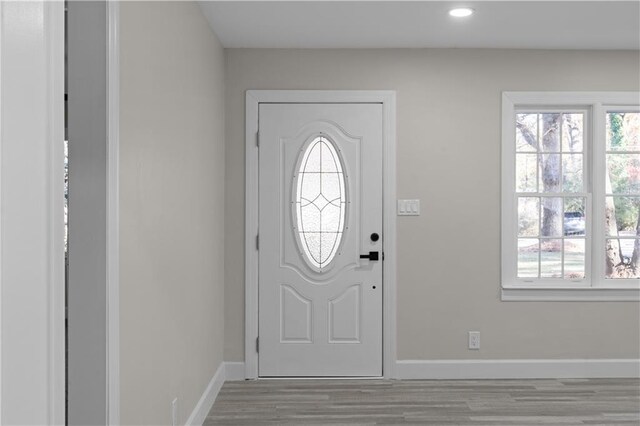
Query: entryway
[[321, 241]]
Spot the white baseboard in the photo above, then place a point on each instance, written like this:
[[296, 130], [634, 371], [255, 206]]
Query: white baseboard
[[518, 369], [234, 371], [207, 399], [498, 369]]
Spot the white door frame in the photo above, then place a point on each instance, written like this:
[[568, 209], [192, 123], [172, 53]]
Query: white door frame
[[51, 29], [388, 100], [32, 366]]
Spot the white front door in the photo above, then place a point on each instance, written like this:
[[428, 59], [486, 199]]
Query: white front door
[[320, 180]]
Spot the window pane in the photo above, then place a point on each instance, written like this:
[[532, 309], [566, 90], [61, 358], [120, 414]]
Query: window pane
[[526, 132], [309, 187], [626, 248], [549, 135], [551, 217], [309, 217], [528, 216], [624, 173], [331, 220], [320, 203], [551, 258], [550, 173], [572, 132], [526, 172], [574, 255], [528, 251], [623, 178], [620, 259], [328, 159], [622, 216], [332, 189], [572, 173], [574, 216], [623, 131]]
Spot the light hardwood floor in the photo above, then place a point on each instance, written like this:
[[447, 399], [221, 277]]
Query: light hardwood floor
[[436, 402]]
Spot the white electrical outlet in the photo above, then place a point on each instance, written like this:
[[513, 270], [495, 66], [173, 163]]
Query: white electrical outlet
[[474, 340], [174, 412]]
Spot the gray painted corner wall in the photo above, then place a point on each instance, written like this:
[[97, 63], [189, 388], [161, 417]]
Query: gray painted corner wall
[[87, 284], [172, 170], [445, 287]]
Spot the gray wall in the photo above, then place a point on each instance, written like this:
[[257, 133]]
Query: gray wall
[[172, 216], [445, 288], [87, 289]]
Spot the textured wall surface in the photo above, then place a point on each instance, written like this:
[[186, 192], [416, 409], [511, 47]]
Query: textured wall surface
[[172, 212]]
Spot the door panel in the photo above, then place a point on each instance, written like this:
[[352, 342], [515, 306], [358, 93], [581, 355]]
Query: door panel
[[344, 316], [320, 304], [295, 318]]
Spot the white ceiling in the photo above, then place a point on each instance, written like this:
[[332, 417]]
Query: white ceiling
[[370, 24]]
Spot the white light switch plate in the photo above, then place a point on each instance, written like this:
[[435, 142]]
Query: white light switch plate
[[408, 207]]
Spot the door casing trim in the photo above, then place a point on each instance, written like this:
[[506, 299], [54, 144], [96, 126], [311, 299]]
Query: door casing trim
[[43, 21], [388, 100]]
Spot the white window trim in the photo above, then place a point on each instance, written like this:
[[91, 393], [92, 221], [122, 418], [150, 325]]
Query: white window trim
[[594, 287]]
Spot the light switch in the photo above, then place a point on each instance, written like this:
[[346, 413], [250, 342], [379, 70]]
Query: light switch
[[408, 207], [402, 207]]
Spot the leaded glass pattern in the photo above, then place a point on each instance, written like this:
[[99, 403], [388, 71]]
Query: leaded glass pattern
[[320, 202]]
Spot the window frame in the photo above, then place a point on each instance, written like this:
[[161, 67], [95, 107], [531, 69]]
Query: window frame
[[594, 286]]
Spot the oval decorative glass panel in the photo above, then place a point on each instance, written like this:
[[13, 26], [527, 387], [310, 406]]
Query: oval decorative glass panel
[[320, 202]]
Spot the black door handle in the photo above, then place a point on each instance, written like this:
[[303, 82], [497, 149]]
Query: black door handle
[[373, 255]]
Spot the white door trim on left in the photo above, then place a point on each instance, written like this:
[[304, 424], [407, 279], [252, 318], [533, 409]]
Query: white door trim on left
[[388, 99], [32, 360]]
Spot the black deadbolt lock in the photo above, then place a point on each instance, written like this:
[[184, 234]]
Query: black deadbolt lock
[[375, 237]]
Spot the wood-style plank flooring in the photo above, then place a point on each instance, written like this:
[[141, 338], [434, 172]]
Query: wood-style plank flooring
[[435, 402]]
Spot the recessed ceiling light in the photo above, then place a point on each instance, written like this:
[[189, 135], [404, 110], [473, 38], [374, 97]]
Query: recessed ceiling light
[[461, 12]]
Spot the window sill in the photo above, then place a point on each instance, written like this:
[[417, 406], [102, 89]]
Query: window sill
[[570, 294]]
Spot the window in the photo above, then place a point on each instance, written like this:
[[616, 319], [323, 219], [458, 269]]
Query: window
[[550, 195], [571, 196], [622, 189], [320, 203]]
